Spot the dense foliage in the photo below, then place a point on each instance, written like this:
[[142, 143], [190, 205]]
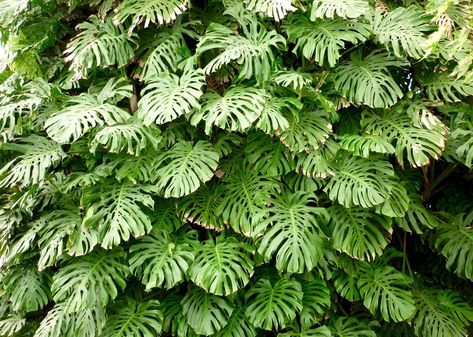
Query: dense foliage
[[236, 168]]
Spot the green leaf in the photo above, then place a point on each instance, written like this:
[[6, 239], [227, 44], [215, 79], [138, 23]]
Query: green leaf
[[244, 201], [39, 155], [342, 8], [418, 144], [56, 322], [364, 145], [382, 290], [321, 331], [166, 53], [253, 51], [307, 131], [223, 266], [367, 80], [236, 110], [10, 325], [294, 236], [134, 319], [294, 80], [324, 40], [27, 288], [317, 164], [269, 155], [99, 44], [117, 213], [402, 30], [147, 11], [397, 203], [168, 96], [315, 301], [91, 280], [441, 313], [238, 325], [351, 327], [86, 111], [417, 217], [273, 306], [187, 166], [442, 87], [272, 119], [206, 313], [134, 137], [162, 259], [174, 321], [275, 9], [58, 226], [359, 232], [360, 182], [199, 207], [454, 240]]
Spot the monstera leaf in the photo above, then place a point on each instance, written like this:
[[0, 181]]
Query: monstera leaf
[[253, 51], [244, 211], [117, 212], [206, 313], [162, 259], [236, 110], [323, 40], [455, 241], [367, 80], [222, 267], [382, 290], [169, 96], [155, 11], [272, 306], [294, 236], [342, 8], [134, 319], [186, 167], [359, 232], [360, 182], [28, 289], [90, 280]]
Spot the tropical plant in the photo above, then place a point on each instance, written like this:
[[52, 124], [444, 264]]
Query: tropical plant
[[227, 168]]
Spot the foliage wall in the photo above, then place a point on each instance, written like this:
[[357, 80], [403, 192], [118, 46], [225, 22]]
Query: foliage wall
[[236, 168]]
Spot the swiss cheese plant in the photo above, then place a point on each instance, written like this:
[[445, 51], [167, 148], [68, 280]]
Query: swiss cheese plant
[[236, 168]]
